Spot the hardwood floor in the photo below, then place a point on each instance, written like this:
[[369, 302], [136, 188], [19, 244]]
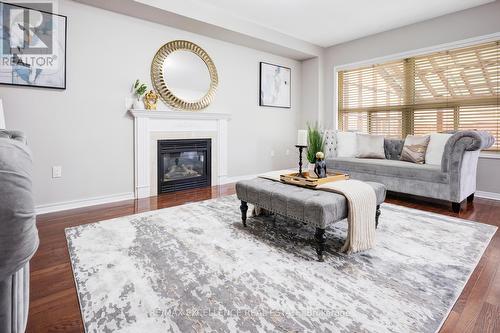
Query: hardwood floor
[[54, 304]]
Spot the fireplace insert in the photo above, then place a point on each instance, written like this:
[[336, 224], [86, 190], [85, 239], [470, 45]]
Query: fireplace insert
[[184, 164]]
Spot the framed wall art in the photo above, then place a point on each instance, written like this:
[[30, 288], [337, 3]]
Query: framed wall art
[[275, 86], [32, 46]]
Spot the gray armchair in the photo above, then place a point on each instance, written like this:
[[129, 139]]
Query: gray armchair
[[18, 232]]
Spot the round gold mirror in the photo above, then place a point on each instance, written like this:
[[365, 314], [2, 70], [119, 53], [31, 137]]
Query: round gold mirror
[[184, 76]]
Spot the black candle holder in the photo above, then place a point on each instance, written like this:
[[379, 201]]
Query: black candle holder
[[301, 148]]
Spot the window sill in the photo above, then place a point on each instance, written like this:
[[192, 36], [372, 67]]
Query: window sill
[[491, 155]]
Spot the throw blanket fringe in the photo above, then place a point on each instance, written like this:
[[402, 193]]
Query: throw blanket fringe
[[362, 203]]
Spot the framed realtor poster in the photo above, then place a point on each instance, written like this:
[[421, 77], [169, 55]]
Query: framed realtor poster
[[32, 46], [275, 86]]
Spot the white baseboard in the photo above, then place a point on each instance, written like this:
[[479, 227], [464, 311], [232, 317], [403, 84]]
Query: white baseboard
[[56, 207], [60, 206], [487, 195]]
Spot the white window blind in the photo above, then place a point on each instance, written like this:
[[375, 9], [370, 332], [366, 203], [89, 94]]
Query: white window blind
[[443, 91]]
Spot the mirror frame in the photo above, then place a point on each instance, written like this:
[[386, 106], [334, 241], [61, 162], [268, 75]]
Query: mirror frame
[[161, 87]]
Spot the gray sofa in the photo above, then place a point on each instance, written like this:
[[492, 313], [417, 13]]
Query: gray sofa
[[454, 180], [18, 232]]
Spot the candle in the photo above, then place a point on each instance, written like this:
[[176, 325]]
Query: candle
[[302, 138]]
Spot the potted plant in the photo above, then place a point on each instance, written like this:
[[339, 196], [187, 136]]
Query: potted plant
[[315, 144], [139, 89]]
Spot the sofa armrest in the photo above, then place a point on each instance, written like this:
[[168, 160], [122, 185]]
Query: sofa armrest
[[459, 143], [14, 135], [18, 232]]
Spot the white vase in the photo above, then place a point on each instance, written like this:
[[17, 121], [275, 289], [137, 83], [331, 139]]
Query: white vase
[[138, 104], [310, 170]]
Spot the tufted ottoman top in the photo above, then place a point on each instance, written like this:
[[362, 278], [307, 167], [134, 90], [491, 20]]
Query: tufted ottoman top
[[315, 207]]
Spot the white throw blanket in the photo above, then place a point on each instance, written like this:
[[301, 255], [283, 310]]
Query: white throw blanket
[[362, 203]]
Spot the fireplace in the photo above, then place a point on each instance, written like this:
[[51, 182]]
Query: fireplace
[[184, 164]]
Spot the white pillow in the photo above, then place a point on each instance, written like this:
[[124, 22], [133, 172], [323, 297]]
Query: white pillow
[[346, 144], [435, 149], [370, 146]]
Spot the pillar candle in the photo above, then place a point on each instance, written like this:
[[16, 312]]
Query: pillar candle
[[302, 138]]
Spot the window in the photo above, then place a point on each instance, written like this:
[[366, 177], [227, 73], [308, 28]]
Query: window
[[452, 90]]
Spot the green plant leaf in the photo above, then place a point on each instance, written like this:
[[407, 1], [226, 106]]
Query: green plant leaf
[[315, 142], [140, 88]]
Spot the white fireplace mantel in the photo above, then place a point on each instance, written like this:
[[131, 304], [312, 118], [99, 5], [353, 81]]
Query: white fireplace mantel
[[148, 122], [196, 115]]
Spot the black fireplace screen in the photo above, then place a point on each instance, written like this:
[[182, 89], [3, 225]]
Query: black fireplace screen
[[183, 164]]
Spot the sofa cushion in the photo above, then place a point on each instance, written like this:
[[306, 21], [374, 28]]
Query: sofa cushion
[[346, 144], [435, 149], [370, 146], [391, 168], [330, 141], [393, 148], [414, 148]]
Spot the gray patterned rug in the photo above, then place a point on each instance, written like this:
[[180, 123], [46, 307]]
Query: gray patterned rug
[[194, 268]]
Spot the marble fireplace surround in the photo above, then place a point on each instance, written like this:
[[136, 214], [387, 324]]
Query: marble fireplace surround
[[151, 126]]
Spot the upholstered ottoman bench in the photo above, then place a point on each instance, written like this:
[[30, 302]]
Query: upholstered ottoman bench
[[314, 207]]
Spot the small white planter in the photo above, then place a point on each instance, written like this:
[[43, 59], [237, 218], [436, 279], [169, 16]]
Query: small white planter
[[138, 104], [310, 169]]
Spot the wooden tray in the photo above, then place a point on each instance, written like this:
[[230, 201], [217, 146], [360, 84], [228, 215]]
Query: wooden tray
[[306, 181]]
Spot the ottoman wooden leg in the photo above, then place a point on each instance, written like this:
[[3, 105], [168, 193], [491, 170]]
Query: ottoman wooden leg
[[320, 240], [377, 215], [244, 209]]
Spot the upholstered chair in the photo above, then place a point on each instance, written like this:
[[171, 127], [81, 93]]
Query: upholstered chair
[[18, 232]]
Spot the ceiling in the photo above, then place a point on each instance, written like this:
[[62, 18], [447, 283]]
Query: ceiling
[[298, 29], [322, 22]]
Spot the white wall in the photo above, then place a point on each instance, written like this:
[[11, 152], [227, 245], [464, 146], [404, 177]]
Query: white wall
[[87, 130], [474, 22], [310, 91], [313, 77]]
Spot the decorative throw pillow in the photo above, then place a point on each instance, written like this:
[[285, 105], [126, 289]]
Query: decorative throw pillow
[[330, 140], [414, 148], [346, 144], [370, 146], [435, 149]]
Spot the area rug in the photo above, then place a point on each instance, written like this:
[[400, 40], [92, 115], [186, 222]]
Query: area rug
[[195, 268]]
